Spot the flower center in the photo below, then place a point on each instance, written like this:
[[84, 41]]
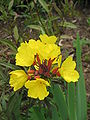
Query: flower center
[[43, 69]]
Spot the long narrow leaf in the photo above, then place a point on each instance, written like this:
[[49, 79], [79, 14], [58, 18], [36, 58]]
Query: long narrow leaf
[[8, 43], [55, 115], [60, 102], [36, 114], [67, 25], [9, 65], [13, 108], [80, 86], [44, 5], [71, 101], [37, 27], [16, 35], [10, 4]]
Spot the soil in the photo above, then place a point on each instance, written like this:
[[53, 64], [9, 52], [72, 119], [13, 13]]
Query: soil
[[67, 44]]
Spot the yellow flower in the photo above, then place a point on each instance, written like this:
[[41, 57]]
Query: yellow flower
[[45, 51], [17, 79], [37, 88], [49, 51], [25, 55], [27, 51], [48, 40], [67, 70], [35, 45]]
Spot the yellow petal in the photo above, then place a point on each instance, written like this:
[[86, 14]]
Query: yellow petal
[[59, 60], [25, 55], [33, 44], [49, 40], [38, 47], [49, 51], [37, 88], [45, 51], [68, 64], [67, 70], [70, 76], [17, 79]]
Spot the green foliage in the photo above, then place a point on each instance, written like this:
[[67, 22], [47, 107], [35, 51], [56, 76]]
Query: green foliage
[[44, 5], [88, 21], [10, 5], [8, 43], [68, 25], [83, 42], [36, 113], [13, 109], [4, 89], [87, 58], [9, 65], [69, 8], [60, 101], [80, 87], [36, 27], [38, 16], [71, 101], [16, 35]]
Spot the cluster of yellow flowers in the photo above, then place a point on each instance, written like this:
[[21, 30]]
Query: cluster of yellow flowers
[[42, 58]]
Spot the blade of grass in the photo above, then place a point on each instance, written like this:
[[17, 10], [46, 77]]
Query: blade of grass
[[44, 5], [9, 65], [8, 43], [37, 27], [81, 102], [13, 108], [10, 4], [71, 101], [2, 75], [67, 25], [36, 114], [55, 115], [16, 35], [59, 100]]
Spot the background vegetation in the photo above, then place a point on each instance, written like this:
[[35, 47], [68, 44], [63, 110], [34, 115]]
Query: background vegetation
[[21, 20]]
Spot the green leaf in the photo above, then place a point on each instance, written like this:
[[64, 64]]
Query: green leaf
[[0, 108], [16, 35], [87, 57], [81, 103], [57, 10], [37, 27], [3, 103], [9, 43], [9, 65], [65, 37], [13, 108], [44, 5], [36, 114], [59, 100], [53, 18], [71, 101], [67, 25], [10, 4], [23, 6], [2, 75], [55, 115], [88, 21], [82, 42]]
